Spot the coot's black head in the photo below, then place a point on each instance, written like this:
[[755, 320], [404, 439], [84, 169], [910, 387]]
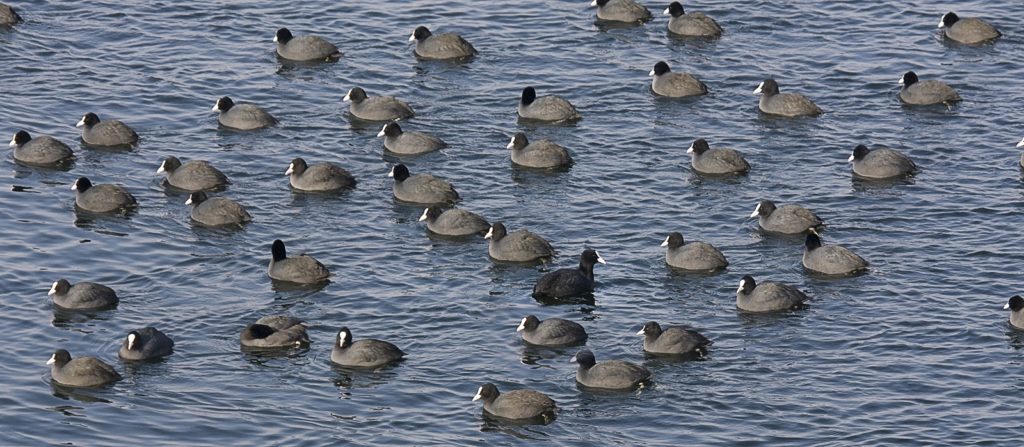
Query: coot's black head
[[21, 138], [277, 250], [391, 129], [1016, 303], [650, 329], [859, 152], [131, 341], [421, 33], [169, 165], [60, 358], [764, 208], [88, 120], [400, 172], [223, 104], [584, 358], [283, 35], [518, 141], [82, 184], [747, 284], [296, 167], [813, 241], [59, 287], [356, 95], [949, 19], [674, 240], [431, 213], [698, 147], [909, 78], [259, 331], [344, 339], [675, 9], [529, 323], [488, 392], [601, 3], [768, 87], [660, 68], [196, 198], [529, 95], [497, 232], [590, 257]]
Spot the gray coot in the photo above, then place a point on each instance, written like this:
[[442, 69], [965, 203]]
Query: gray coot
[[321, 177], [516, 404], [147, 343], [609, 374], [673, 84], [102, 198], [628, 11], [694, 255], [773, 102], [80, 372], [569, 282], [786, 219], [917, 92], [273, 332], [377, 108], [106, 133], [300, 269], [517, 246], [880, 163], [830, 259], [193, 175], [691, 24], [718, 161], [1021, 144], [421, 188], [968, 30], [304, 48], [82, 296], [545, 108], [365, 353], [440, 46], [42, 150], [1016, 307], [454, 222], [673, 340], [8, 16], [543, 154], [551, 332], [242, 115], [408, 143], [768, 296], [216, 211]]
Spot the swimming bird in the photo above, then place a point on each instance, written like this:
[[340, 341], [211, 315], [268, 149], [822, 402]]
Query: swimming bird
[[545, 108], [784, 104], [300, 269], [193, 175], [101, 198], [304, 48], [43, 150], [421, 188], [365, 353], [666, 82], [968, 30], [830, 259], [880, 163], [440, 46], [242, 115], [82, 296], [718, 161], [1021, 144], [516, 404], [518, 246], [768, 296], [106, 133], [628, 11], [551, 331], [692, 24], [693, 256], [274, 332], [408, 143], [916, 92], [216, 211], [454, 222], [8, 16], [569, 282], [147, 343], [1016, 307], [609, 374], [543, 154], [673, 340], [85, 372], [321, 177], [377, 108], [787, 219]]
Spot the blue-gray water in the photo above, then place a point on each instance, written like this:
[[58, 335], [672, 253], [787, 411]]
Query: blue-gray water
[[917, 351]]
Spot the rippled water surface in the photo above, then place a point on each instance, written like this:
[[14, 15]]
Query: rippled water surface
[[916, 351]]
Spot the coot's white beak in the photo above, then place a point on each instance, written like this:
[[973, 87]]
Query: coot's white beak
[[743, 282], [347, 98], [189, 201], [850, 159], [522, 326], [511, 143], [490, 232], [1021, 144], [275, 38], [573, 359], [901, 80], [381, 133], [81, 122], [689, 150], [593, 3], [665, 244], [412, 38], [291, 168], [12, 144], [74, 186], [599, 258], [942, 23], [665, 12], [756, 209], [651, 73], [640, 332], [1006, 306], [478, 394], [53, 289], [759, 86], [391, 173], [53, 359], [424, 216], [131, 341], [161, 169]]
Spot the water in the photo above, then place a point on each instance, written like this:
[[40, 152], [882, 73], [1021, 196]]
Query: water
[[915, 352]]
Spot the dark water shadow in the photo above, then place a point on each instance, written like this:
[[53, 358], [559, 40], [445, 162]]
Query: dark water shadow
[[529, 124], [587, 299], [116, 149], [288, 286], [676, 273], [69, 318], [592, 394], [1015, 336], [260, 356], [654, 361], [512, 427], [301, 198], [605, 26], [92, 395], [65, 165], [349, 377], [754, 319], [865, 184], [708, 43], [532, 354]]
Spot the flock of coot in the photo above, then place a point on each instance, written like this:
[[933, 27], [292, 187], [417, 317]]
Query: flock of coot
[[441, 217]]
